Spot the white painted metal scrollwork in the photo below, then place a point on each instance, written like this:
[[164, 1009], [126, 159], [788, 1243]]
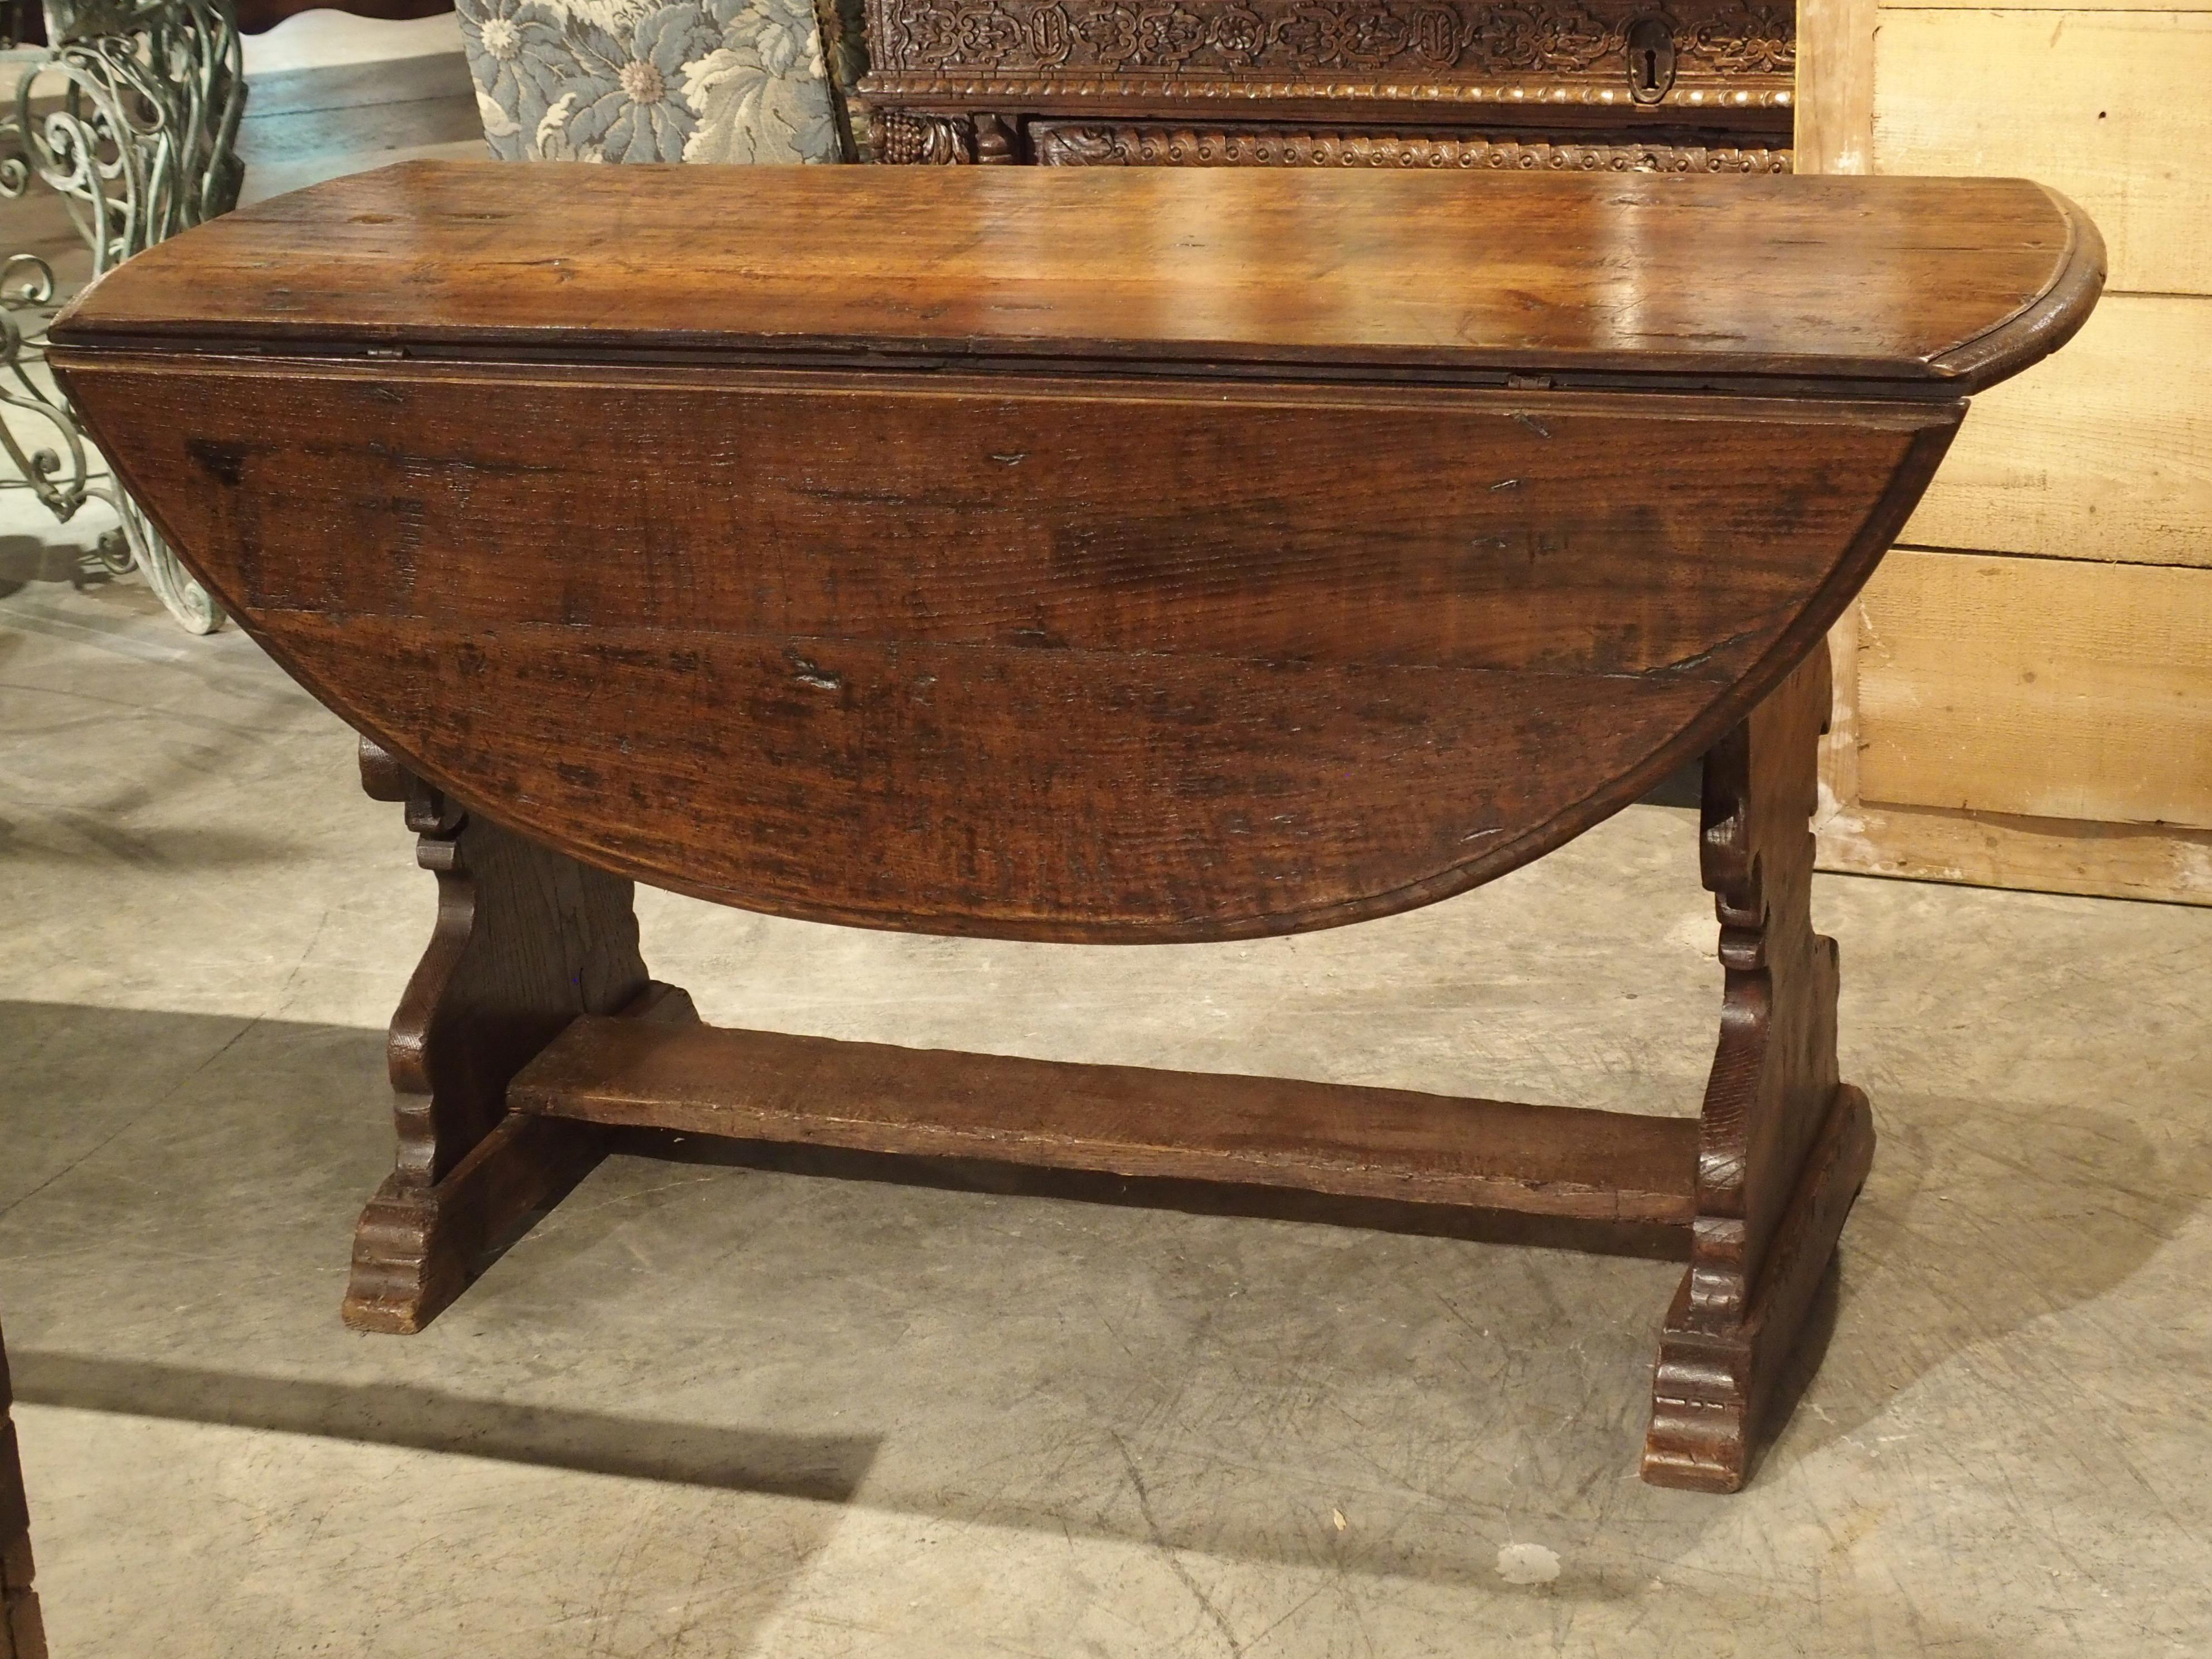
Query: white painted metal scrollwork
[[132, 117]]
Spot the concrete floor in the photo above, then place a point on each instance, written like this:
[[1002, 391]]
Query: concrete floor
[[707, 1411]]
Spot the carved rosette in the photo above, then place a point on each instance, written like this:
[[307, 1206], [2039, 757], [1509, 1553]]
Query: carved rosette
[[1093, 143]]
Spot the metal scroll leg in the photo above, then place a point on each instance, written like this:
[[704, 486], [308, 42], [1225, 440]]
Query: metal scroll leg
[[186, 599], [132, 119], [1784, 1146], [526, 940], [47, 454]]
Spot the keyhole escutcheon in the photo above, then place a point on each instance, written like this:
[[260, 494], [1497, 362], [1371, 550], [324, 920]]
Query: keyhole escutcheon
[[1650, 59]]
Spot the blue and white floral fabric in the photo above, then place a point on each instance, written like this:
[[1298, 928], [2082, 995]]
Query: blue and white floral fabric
[[639, 80]]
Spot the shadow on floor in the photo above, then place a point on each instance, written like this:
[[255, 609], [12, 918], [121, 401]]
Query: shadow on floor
[[27, 559], [821, 1468], [91, 842], [284, 1121]]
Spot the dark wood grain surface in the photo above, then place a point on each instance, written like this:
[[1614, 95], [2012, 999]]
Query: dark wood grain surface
[[1106, 662], [965, 623], [1956, 281], [1125, 1120]]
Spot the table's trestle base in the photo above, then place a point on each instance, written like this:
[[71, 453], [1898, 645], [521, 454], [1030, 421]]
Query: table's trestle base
[[1783, 1144], [526, 940], [530, 1038]]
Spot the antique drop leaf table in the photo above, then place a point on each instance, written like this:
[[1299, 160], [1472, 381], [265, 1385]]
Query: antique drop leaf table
[[1089, 555]]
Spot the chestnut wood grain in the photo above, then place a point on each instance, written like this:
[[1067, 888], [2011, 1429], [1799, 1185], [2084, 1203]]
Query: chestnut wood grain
[[1270, 1131], [1197, 660], [417, 1247], [1950, 280]]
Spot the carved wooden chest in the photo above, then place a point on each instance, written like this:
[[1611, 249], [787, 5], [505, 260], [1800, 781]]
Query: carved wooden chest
[[1609, 85]]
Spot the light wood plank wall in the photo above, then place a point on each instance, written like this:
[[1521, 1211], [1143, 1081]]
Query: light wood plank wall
[[2025, 690]]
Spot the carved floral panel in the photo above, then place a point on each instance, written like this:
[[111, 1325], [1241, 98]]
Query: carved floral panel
[[1446, 38]]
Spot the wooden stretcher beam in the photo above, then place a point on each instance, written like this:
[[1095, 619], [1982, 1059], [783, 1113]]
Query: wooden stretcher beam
[[1354, 1142]]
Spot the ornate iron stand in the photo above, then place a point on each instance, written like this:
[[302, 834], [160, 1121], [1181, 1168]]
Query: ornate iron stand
[[132, 117]]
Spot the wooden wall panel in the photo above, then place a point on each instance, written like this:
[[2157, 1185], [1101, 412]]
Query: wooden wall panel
[[2036, 721], [1835, 134], [2053, 5], [2048, 855], [2109, 106], [2104, 452], [1835, 85], [2044, 687]]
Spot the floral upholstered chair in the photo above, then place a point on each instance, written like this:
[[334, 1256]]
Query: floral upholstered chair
[[645, 80]]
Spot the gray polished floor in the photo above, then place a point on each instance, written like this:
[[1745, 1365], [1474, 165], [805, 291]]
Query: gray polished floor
[[704, 1411]]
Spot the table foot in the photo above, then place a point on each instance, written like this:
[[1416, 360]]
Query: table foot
[[418, 1248], [1715, 1390]]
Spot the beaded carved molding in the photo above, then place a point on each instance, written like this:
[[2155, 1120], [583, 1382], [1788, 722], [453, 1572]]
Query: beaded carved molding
[[1089, 143]]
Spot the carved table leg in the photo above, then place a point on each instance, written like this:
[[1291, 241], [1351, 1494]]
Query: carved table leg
[[1784, 1146], [526, 939]]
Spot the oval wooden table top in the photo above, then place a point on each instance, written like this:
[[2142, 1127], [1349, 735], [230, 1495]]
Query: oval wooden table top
[[1942, 284]]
